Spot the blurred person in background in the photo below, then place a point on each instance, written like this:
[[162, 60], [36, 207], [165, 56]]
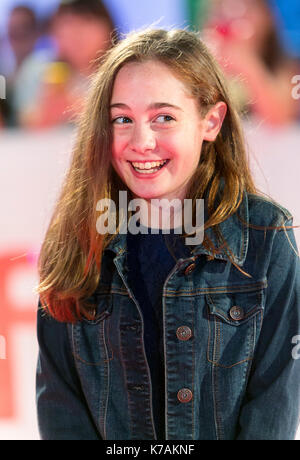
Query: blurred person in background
[[22, 32], [1, 115], [83, 31], [4, 112], [245, 40]]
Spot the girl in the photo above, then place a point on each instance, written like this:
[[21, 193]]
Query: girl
[[143, 336]]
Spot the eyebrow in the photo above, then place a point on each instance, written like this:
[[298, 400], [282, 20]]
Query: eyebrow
[[154, 105]]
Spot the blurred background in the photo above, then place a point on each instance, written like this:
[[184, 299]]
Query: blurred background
[[47, 53]]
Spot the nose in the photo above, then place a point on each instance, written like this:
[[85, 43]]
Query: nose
[[142, 138]]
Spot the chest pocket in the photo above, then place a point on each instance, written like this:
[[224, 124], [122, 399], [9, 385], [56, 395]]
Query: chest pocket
[[234, 323], [91, 338]]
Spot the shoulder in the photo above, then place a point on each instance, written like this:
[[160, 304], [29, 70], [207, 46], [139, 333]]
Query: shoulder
[[263, 211], [270, 229]]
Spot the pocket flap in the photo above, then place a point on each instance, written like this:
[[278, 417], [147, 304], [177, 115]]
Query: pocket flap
[[235, 308], [101, 306]]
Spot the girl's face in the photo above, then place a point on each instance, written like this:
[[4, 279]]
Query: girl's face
[[157, 131]]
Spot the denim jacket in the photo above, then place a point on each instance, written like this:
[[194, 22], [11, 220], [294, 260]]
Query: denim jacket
[[231, 344]]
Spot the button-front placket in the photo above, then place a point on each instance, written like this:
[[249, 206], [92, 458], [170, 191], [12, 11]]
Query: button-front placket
[[178, 311]]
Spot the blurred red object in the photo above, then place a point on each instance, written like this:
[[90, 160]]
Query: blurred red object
[[11, 315], [224, 29]]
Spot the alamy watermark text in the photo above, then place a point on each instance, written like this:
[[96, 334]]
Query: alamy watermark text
[[156, 214], [2, 87], [296, 89], [296, 349]]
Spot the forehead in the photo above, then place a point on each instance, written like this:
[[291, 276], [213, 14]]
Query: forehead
[[149, 79]]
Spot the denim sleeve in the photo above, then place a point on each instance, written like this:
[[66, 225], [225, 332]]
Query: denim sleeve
[[271, 407], [61, 407]]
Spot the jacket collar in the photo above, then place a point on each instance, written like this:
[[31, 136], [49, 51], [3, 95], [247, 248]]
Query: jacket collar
[[234, 231]]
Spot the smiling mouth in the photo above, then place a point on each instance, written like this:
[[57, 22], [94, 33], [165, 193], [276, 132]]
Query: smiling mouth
[[149, 167]]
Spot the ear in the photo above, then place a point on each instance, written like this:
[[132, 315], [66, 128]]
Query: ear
[[213, 121]]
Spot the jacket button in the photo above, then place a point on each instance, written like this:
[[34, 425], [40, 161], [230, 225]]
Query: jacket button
[[236, 313], [184, 333], [184, 395], [189, 269]]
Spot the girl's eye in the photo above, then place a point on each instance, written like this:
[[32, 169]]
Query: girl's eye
[[121, 120], [164, 118]]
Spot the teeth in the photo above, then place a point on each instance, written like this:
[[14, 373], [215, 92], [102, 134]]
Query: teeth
[[148, 165]]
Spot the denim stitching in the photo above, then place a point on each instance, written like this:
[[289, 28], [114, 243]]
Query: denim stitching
[[218, 422], [107, 346], [217, 339], [77, 362], [217, 289], [76, 352], [104, 398], [214, 402], [193, 371], [248, 368], [130, 399], [214, 361], [125, 380], [252, 312]]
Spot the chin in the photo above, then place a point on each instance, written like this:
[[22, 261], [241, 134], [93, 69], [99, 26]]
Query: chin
[[149, 195]]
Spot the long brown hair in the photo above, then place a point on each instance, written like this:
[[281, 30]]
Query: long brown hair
[[70, 257]]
